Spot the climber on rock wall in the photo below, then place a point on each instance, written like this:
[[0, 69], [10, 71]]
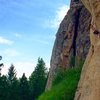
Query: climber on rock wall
[[89, 84]]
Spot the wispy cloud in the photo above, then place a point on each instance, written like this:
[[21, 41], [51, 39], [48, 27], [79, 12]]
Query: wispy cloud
[[54, 22], [21, 67], [18, 35], [5, 41], [51, 37], [47, 65], [42, 42], [11, 52], [26, 67]]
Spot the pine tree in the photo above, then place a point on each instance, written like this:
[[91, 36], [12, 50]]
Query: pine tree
[[24, 88], [3, 88], [13, 84], [3, 84], [11, 74], [38, 79], [1, 64]]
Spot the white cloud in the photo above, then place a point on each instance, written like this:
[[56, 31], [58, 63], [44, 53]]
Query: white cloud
[[5, 41], [18, 35], [11, 52], [26, 67], [47, 65], [4, 70], [59, 15], [51, 37], [45, 40], [42, 42], [21, 67]]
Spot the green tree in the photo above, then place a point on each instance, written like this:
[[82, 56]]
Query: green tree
[[1, 64], [24, 88], [13, 84], [3, 88], [11, 74], [3, 84], [38, 79]]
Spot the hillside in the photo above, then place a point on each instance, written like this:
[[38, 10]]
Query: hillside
[[64, 85]]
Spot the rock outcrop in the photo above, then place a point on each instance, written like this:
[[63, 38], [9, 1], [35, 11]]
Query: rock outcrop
[[72, 40], [89, 84]]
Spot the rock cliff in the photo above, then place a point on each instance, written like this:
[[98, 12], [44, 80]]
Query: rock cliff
[[89, 84], [72, 40]]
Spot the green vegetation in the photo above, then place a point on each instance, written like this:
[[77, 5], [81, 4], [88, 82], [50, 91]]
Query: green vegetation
[[12, 84], [12, 88], [24, 91], [1, 64], [72, 61], [38, 79], [64, 85]]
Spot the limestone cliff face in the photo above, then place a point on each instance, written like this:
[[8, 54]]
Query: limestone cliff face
[[72, 40], [89, 84]]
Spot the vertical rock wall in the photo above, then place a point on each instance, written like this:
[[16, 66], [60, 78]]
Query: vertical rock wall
[[89, 84], [72, 40]]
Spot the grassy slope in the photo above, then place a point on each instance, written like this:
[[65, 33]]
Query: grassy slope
[[64, 86]]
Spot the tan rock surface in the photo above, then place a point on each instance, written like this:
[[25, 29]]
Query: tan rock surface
[[89, 84]]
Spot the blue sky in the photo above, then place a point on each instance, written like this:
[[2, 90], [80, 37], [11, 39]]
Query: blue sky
[[27, 31]]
